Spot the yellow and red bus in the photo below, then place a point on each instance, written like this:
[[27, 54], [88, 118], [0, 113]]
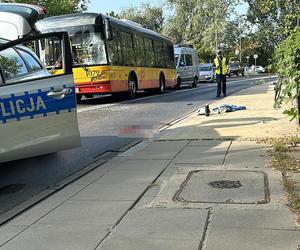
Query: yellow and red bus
[[114, 56]]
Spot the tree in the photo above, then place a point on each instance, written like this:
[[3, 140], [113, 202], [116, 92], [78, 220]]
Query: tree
[[274, 21], [287, 58], [203, 23], [58, 7], [150, 17]]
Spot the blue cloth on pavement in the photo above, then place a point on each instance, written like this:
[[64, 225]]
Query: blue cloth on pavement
[[228, 108]]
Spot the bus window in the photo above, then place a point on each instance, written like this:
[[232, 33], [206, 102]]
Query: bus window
[[149, 52], [127, 47], [158, 48], [140, 51], [114, 49]]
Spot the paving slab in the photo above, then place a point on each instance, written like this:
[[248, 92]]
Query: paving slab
[[240, 187], [104, 169], [253, 218], [139, 164], [194, 154], [109, 192], [60, 237], [76, 212], [41, 209], [7, 232], [204, 149], [257, 161], [220, 238], [171, 224], [145, 176], [247, 145], [174, 182], [161, 150], [259, 120], [215, 144], [126, 243], [196, 165]]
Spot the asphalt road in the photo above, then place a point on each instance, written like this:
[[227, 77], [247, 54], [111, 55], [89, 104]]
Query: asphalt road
[[106, 124]]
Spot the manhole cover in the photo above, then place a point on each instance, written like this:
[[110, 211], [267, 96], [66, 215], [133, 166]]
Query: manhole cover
[[225, 184]]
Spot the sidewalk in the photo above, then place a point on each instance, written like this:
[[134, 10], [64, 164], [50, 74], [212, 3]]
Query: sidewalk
[[202, 184]]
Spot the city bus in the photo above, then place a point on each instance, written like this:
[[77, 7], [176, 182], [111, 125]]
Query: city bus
[[114, 56]]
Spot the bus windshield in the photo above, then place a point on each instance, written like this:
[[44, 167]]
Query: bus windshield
[[88, 47]]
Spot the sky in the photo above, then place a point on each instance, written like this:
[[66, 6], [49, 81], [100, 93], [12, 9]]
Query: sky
[[101, 6]]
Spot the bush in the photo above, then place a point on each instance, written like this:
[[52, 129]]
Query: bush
[[287, 59]]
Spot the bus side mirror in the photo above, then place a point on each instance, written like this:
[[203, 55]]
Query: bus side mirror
[[108, 30]]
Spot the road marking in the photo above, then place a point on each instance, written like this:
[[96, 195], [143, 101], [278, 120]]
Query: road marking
[[95, 107]]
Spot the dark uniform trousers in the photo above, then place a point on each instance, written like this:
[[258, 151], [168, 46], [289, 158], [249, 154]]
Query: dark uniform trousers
[[221, 82]]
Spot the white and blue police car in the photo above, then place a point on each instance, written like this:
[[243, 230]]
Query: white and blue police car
[[37, 109]]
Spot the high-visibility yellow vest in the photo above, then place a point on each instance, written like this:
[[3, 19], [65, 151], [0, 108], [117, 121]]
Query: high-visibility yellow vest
[[224, 66]]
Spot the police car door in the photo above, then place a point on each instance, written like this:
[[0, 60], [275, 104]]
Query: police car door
[[37, 108]]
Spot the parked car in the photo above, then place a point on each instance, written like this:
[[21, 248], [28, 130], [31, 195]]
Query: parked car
[[206, 72], [236, 69], [259, 69], [187, 64]]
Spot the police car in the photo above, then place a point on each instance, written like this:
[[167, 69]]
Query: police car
[[37, 109]]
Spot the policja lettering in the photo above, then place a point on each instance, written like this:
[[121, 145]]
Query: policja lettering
[[18, 106]]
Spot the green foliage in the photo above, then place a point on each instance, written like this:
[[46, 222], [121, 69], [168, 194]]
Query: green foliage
[[205, 24], [58, 7], [287, 58], [273, 21], [150, 17]]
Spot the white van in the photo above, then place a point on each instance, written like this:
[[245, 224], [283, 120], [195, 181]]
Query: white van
[[187, 64]]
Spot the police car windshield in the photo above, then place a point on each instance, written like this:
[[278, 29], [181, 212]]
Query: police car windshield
[[88, 47]]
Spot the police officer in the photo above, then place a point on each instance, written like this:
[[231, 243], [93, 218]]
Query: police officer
[[221, 68]]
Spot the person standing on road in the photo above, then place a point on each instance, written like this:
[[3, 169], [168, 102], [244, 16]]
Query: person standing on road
[[221, 68]]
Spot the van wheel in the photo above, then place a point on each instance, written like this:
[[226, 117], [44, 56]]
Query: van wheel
[[177, 86], [132, 88]]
